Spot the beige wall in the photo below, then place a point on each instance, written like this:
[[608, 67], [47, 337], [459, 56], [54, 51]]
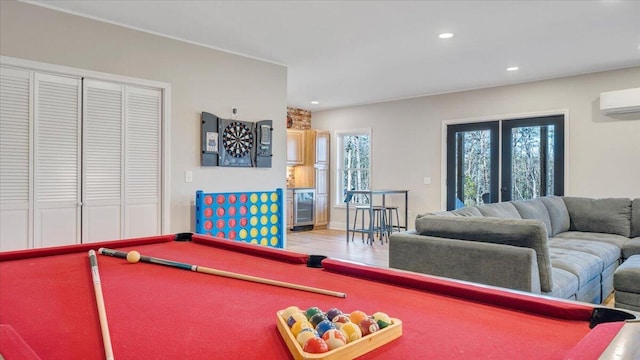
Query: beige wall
[[603, 151], [201, 79]]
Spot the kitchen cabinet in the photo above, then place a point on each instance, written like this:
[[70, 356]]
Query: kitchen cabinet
[[322, 178], [295, 147], [289, 208], [322, 196], [312, 168], [322, 148]]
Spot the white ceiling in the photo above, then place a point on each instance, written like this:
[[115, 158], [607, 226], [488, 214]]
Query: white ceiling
[[345, 53]]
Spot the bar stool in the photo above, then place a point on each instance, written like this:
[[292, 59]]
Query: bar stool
[[380, 225], [392, 227], [377, 220], [359, 209]]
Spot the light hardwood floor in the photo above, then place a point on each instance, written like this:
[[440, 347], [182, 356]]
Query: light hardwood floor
[[333, 243]]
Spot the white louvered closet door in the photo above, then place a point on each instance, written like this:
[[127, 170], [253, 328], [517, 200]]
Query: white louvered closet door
[[79, 161], [56, 160], [103, 117], [15, 159], [143, 113], [121, 172]]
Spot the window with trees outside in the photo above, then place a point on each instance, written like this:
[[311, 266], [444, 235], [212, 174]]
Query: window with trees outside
[[529, 165], [353, 165]]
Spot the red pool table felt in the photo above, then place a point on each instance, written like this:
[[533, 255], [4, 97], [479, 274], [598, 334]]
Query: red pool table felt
[[47, 304]]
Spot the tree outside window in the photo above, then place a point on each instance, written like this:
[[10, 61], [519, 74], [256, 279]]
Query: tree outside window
[[354, 149]]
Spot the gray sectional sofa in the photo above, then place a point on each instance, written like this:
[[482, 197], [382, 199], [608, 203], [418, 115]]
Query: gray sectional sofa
[[566, 247]]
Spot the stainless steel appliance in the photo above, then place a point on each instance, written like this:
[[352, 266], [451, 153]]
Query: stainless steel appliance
[[303, 208]]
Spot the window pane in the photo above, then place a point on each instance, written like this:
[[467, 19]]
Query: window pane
[[356, 180], [550, 156], [525, 163], [532, 162], [356, 152], [353, 173], [473, 161]]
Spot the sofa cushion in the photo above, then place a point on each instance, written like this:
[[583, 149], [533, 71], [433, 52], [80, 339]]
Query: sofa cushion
[[627, 275], [612, 216], [535, 210], [565, 284], [557, 213], [613, 239], [635, 218], [515, 232], [467, 211], [609, 253], [499, 210], [585, 266], [630, 248]]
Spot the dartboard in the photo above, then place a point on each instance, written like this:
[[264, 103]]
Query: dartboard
[[237, 139]]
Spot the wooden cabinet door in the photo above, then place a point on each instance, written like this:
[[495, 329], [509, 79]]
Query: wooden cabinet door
[[295, 147], [289, 209], [322, 196], [322, 211], [322, 147]]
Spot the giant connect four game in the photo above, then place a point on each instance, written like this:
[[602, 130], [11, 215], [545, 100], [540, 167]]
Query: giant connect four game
[[254, 217]]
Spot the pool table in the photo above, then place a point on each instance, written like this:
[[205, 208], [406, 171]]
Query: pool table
[[48, 308]]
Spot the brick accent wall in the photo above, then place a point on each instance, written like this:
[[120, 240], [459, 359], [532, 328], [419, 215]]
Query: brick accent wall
[[300, 118]]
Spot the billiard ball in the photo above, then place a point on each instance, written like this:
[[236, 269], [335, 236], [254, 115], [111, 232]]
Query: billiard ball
[[334, 338], [315, 345], [351, 331], [312, 311], [305, 335], [290, 310], [295, 317], [323, 326], [133, 256], [332, 313], [368, 326], [382, 319], [341, 319], [299, 325], [317, 319], [358, 316]]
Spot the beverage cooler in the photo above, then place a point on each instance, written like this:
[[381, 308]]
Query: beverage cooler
[[303, 208]]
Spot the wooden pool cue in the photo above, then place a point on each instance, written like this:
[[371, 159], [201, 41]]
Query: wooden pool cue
[[210, 271], [102, 313]]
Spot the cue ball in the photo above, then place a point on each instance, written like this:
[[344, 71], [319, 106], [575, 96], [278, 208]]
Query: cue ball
[[133, 257]]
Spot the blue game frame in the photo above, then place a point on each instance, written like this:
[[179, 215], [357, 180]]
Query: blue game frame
[[254, 217]]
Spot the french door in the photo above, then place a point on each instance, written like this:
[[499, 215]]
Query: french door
[[533, 158], [472, 164], [531, 162]]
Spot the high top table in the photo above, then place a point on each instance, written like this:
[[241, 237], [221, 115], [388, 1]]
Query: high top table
[[370, 194]]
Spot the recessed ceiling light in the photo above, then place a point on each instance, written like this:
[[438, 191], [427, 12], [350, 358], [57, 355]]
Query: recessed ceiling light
[[445, 35], [512, 68], [315, 102]]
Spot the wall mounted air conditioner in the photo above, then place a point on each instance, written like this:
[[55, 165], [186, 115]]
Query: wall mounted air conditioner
[[620, 101]]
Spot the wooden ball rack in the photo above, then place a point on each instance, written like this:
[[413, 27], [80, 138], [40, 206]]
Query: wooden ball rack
[[350, 351]]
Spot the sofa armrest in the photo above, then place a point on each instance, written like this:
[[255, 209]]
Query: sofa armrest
[[492, 264]]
